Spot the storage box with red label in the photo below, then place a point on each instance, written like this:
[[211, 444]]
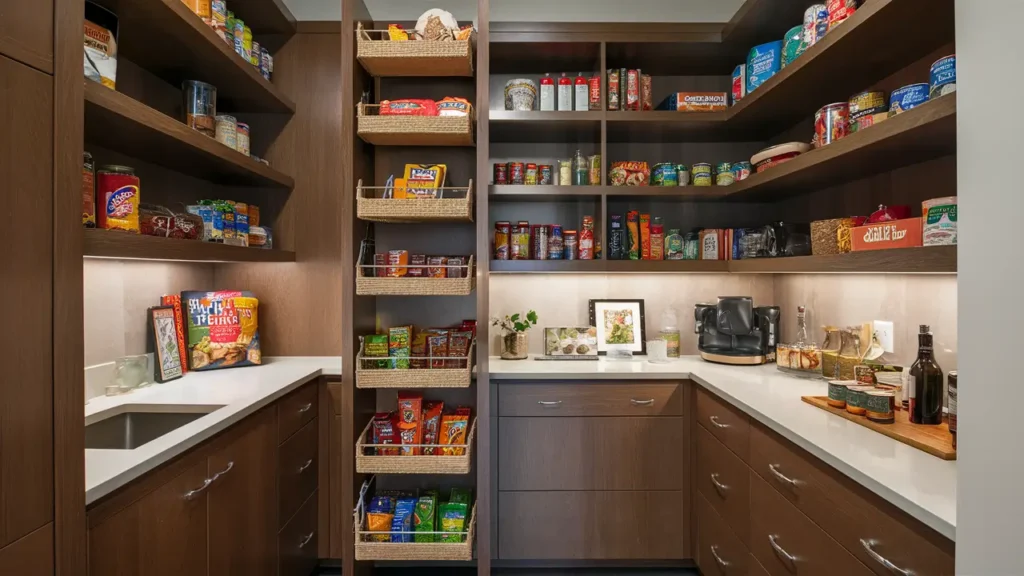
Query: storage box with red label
[[884, 235]]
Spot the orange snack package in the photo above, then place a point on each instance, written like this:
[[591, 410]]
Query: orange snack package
[[410, 412], [432, 426], [454, 429]]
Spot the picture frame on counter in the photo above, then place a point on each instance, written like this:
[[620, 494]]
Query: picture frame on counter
[[621, 326], [164, 339]]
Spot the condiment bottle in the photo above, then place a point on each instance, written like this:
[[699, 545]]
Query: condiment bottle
[[616, 238], [580, 172], [582, 90], [547, 93], [670, 333], [586, 239], [657, 239], [925, 383], [564, 93], [674, 245]]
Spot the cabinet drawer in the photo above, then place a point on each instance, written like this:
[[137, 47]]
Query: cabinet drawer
[[719, 551], [730, 425], [590, 399], [754, 568], [724, 480], [26, 33], [297, 470], [31, 555], [847, 511], [591, 453], [591, 525], [296, 544], [295, 410], [787, 543]]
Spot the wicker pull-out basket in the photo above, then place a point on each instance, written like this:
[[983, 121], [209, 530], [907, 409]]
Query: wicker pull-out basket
[[413, 130], [367, 549], [383, 57], [433, 464], [454, 205], [368, 284], [368, 376]]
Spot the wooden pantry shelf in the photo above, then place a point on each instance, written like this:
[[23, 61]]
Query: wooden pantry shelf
[[606, 266], [536, 126], [165, 38], [120, 123], [117, 244], [922, 260], [521, 193], [923, 133]]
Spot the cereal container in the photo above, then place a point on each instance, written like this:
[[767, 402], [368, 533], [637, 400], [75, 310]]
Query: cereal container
[[117, 190]]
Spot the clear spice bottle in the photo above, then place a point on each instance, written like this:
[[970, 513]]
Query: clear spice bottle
[[830, 353], [670, 333]]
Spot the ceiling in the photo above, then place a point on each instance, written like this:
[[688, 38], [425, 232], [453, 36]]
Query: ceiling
[[534, 10]]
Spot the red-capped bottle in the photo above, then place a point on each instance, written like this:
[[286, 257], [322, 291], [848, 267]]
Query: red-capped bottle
[[565, 93], [581, 90], [547, 93]]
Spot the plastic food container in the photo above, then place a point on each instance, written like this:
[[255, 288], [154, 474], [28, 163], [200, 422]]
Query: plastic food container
[[775, 155]]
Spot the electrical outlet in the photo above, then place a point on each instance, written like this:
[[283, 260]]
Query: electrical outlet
[[884, 329]]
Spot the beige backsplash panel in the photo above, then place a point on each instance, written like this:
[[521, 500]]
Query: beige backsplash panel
[[117, 294]]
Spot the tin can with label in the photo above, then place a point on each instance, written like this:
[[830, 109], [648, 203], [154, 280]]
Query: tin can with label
[[255, 54], [683, 174], [531, 175], [839, 11], [266, 63], [907, 97], [723, 174], [546, 174], [500, 173], [516, 173], [865, 101], [942, 79], [831, 123], [664, 174], [880, 406], [227, 131], [815, 24], [702, 174], [502, 240], [556, 243], [741, 170], [243, 138], [539, 239], [571, 245]]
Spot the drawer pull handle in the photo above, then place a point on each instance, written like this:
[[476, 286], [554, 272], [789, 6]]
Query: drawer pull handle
[[722, 488], [786, 557], [305, 540], [550, 403], [869, 546], [722, 564], [648, 402], [306, 465], [191, 494], [775, 470], [305, 407], [714, 420], [223, 472]]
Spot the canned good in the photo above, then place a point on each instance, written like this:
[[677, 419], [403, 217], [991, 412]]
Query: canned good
[[857, 399], [546, 174], [88, 191], [664, 175], [520, 248], [702, 174], [530, 178], [266, 63], [243, 138], [517, 173], [594, 170], [880, 406], [571, 245], [117, 198], [247, 43], [502, 240], [741, 170], [254, 54], [839, 11], [501, 173], [865, 101], [564, 172], [683, 174], [837, 392], [556, 243], [942, 79], [867, 118], [815, 24], [907, 97], [200, 107], [539, 238], [227, 131], [831, 123], [723, 174], [691, 246]]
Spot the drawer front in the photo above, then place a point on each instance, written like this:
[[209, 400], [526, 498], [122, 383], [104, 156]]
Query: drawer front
[[725, 481], [590, 399], [846, 511], [719, 551], [591, 453], [295, 410], [754, 567], [726, 423], [297, 470], [296, 544], [787, 543], [26, 33], [591, 525]]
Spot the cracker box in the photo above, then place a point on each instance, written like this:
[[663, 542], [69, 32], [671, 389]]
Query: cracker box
[[696, 102], [906, 233], [221, 329]]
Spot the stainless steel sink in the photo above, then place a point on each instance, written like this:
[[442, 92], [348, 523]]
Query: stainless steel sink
[[129, 429]]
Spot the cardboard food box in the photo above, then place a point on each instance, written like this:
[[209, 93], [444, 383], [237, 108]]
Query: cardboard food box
[[696, 102], [570, 341], [906, 233]]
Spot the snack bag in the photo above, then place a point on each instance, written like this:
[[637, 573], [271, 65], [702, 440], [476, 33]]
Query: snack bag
[[453, 107], [424, 180], [452, 516], [454, 428], [432, 426], [375, 345], [398, 346], [402, 521], [385, 431], [463, 495], [410, 424], [222, 329], [424, 518]]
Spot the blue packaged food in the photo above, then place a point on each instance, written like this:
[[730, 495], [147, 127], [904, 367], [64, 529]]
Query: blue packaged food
[[815, 24], [943, 77], [903, 99], [402, 521], [763, 63], [793, 45], [664, 175]]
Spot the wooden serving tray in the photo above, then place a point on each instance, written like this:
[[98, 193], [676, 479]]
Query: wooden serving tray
[[933, 439]]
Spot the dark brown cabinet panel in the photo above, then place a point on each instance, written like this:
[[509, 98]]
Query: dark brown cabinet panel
[[297, 542], [295, 410], [162, 534], [30, 556], [297, 470], [26, 34], [726, 423], [788, 543], [724, 480], [719, 551], [591, 525], [26, 288], [591, 399], [243, 502], [591, 453]]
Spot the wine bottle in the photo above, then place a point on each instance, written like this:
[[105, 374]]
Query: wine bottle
[[926, 383]]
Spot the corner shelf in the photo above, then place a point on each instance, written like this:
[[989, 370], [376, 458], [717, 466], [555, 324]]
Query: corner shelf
[[546, 126], [543, 193], [606, 266], [123, 245]]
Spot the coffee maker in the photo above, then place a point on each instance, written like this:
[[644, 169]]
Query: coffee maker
[[734, 331]]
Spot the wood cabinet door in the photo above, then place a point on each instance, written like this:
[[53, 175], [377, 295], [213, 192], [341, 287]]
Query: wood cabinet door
[[26, 295], [243, 502], [161, 534], [26, 33]]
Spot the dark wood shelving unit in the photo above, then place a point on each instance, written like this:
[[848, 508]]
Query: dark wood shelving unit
[[923, 260], [666, 126], [607, 266], [167, 39], [123, 245], [536, 126], [118, 122], [519, 193]]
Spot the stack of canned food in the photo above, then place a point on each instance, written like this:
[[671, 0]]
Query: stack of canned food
[[234, 32], [577, 171]]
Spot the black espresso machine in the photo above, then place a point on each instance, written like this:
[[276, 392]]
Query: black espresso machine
[[734, 331]]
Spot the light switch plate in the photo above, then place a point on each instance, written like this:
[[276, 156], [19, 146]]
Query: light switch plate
[[884, 329]]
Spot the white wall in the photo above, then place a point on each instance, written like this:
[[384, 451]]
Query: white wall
[[990, 503]]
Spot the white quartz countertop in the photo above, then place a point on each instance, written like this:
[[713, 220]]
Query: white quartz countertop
[[241, 392], [916, 482]]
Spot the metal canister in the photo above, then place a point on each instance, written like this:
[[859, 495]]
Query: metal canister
[[942, 79], [556, 243], [741, 170], [815, 24], [866, 101], [243, 138], [502, 240], [880, 406], [500, 173], [516, 173], [616, 240], [546, 174], [539, 238], [572, 245], [227, 131], [200, 106], [565, 172], [907, 97], [723, 174], [531, 174], [702, 174], [683, 174], [831, 123]]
